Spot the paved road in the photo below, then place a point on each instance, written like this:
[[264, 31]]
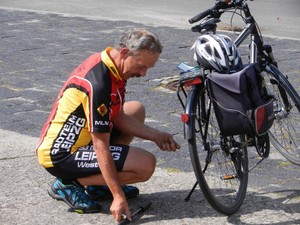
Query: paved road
[[276, 17], [38, 51]]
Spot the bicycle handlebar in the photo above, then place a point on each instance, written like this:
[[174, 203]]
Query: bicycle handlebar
[[214, 11], [200, 16]]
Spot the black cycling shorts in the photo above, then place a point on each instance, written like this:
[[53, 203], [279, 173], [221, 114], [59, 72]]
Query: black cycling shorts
[[84, 162]]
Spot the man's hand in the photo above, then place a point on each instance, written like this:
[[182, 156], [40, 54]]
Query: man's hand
[[118, 207], [166, 142]]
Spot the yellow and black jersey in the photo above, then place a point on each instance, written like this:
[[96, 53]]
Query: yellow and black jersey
[[90, 98]]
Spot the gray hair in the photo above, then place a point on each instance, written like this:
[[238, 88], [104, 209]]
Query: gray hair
[[139, 39]]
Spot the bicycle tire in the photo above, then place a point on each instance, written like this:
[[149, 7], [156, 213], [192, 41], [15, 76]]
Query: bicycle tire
[[285, 132], [224, 182]]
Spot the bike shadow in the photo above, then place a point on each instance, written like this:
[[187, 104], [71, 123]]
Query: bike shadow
[[278, 208]]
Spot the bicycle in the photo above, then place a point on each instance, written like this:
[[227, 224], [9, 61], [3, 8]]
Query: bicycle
[[220, 163]]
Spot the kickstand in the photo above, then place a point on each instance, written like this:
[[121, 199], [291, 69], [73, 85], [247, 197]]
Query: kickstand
[[191, 192]]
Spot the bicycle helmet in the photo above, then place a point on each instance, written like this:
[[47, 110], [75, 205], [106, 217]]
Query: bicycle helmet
[[218, 52]]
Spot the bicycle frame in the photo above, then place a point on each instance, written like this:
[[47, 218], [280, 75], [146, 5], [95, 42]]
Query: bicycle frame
[[250, 27], [256, 43]]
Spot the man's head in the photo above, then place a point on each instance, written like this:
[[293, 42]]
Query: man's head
[[139, 50]]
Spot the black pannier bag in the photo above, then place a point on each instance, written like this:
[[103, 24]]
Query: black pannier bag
[[241, 102]]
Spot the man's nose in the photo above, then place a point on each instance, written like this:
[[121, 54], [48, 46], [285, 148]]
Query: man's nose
[[143, 72]]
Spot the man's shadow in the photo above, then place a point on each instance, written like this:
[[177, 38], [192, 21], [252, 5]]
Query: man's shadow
[[171, 205]]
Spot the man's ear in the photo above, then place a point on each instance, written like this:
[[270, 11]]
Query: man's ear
[[124, 52]]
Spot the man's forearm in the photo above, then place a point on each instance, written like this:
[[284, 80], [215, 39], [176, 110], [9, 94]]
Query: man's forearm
[[106, 163], [109, 173], [134, 127]]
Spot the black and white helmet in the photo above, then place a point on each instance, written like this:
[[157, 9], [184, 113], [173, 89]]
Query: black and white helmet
[[218, 52]]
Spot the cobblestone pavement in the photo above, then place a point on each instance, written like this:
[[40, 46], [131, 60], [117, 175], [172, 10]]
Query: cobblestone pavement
[[39, 50]]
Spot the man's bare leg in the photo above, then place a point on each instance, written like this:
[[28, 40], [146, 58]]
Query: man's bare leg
[[136, 110], [139, 165]]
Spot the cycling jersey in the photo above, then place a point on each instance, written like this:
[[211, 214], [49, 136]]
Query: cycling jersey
[[90, 98]]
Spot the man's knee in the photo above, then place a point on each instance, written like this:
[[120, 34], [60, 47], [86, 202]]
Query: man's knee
[[141, 162], [141, 111], [148, 169], [135, 109]]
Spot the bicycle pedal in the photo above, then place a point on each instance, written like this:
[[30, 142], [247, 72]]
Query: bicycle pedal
[[229, 177]]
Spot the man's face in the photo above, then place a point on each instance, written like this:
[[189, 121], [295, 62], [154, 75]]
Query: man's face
[[137, 65]]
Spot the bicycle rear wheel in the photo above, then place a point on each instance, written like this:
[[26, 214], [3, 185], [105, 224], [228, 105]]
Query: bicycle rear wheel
[[285, 132], [220, 164]]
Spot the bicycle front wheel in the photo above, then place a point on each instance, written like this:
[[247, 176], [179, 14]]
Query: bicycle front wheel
[[220, 164], [285, 132]]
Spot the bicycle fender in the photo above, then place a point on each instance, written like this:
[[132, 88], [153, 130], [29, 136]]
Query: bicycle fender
[[191, 98]]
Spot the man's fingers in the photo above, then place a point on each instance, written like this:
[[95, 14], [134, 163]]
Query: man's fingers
[[117, 216], [128, 214], [168, 147]]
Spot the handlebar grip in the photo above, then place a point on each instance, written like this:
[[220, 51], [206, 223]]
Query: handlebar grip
[[200, 16]]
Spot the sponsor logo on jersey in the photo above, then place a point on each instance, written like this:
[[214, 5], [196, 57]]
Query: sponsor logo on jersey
[[68, 134], [85, 157], [102, 109], [101, 123]]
